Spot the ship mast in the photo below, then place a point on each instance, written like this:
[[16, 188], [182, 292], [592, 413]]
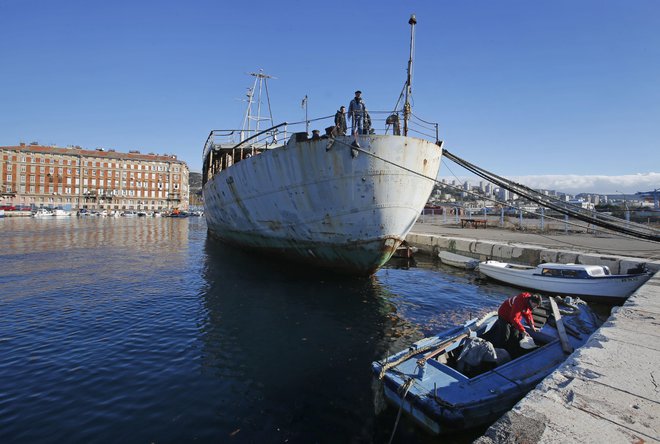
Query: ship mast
[[406, 106], [259, 87]]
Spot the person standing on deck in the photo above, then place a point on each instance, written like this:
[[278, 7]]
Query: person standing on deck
[[340, 121], [356, 113]]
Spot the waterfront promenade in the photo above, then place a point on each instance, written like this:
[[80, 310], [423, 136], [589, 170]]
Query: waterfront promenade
[[601, 243], [607, 391]]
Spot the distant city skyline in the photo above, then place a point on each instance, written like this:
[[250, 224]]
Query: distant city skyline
[[552, 89], [576, 184]]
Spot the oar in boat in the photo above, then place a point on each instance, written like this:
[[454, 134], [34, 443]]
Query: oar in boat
[[443, 345], [565, 345], [435, 348]]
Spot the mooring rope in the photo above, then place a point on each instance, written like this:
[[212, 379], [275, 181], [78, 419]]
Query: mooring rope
[[605, 221], [404, 388]]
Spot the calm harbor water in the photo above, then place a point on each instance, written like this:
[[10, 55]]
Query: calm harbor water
[[143, 330]]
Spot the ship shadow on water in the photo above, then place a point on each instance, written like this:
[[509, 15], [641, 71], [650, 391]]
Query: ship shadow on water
[[290, 347], [287, 352]]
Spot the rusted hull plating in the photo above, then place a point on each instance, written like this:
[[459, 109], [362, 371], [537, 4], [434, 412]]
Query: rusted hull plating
[[325, 207]]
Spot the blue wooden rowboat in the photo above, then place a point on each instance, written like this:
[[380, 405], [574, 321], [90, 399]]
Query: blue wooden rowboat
[[425, 383]]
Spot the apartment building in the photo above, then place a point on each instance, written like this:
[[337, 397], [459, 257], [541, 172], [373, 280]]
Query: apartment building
[[49, 176]]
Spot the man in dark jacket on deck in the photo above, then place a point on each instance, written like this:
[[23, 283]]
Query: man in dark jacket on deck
[[340, 121]]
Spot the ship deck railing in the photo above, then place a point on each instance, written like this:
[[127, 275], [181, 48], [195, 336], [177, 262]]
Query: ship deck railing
[[382, 122]]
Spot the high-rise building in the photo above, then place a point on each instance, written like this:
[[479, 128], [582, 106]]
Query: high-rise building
[[49, 176]]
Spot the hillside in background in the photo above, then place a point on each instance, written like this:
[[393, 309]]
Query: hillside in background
[[195, 183]]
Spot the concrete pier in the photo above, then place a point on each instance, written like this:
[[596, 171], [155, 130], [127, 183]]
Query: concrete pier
[[619, 253], [608, 390]]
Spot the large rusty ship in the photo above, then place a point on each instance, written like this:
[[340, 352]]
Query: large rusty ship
[[338, 201]]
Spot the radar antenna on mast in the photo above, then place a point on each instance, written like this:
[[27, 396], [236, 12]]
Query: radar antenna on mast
[[260, 87]]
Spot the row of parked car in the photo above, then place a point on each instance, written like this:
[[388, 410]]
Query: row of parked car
[[15, 207]]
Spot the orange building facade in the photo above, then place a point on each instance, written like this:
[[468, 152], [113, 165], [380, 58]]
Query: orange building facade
[[48, 176]]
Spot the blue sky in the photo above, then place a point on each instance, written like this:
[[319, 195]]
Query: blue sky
[[522, 88]]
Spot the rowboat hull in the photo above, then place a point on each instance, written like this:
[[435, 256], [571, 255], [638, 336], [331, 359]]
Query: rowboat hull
[[458, 261], [313, 201], [443, 400]]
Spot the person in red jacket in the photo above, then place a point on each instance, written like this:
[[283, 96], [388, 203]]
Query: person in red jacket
[[508, 330], [514, 309]]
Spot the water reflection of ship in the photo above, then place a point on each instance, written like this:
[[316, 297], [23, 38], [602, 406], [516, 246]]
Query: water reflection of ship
[[289, 351]]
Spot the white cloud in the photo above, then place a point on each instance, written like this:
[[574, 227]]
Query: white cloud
[[574, 184]]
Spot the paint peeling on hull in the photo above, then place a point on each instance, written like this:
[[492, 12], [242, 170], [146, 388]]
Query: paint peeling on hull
[[325, 208]]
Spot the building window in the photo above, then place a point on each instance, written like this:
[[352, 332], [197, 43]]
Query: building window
[[9, 167]]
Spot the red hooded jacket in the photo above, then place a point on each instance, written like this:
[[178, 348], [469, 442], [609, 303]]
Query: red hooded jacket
[[513, 309]]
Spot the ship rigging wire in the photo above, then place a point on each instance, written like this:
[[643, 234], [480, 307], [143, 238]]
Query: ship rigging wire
[[609, 224], [601, 220]]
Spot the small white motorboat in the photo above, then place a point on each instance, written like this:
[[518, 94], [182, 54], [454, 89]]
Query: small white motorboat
[[456, 260], [42, 212], [58, 212], [594, 282]]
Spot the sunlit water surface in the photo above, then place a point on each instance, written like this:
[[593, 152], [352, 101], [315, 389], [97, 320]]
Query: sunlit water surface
[[143, 330]]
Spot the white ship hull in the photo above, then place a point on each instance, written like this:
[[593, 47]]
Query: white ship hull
[[325, 208]]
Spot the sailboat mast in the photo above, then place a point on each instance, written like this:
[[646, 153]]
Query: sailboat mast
[[406, 107]]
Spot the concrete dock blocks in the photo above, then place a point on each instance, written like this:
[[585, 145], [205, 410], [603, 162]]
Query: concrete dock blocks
[[522, 254]]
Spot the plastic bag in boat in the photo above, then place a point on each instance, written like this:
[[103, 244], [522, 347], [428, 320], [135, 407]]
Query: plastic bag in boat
[[527, 343]]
